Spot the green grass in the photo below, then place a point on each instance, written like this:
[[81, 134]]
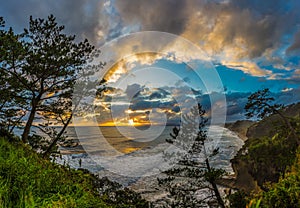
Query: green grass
[[26, 180]]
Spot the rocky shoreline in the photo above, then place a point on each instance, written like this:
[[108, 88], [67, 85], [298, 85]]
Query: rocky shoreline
[[240, 127], [241, 180]]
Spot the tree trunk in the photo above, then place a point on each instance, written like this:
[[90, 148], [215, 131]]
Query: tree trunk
[[215, 188], [55, 140], [28, 125], [48, 151]]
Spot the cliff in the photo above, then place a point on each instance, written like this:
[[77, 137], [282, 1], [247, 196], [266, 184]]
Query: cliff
[[240, 128], [267, 150]]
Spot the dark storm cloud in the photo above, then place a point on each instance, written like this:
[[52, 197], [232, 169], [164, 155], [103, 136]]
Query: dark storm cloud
[[258, 25], [236, 29], [133, 90], [235, 106], [234, 109], [167, 15], [247, 28], [144, 105], [267, 22], [251, 26], [295, 46], [156, 95], [159, 94], [80, 17], [236, 95]]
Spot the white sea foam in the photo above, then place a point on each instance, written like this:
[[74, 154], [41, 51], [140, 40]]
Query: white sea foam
[[145, 183], [152, 161]]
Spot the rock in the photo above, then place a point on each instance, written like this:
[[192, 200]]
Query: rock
[[240, 127]]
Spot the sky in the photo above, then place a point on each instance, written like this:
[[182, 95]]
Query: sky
[[251, 44]]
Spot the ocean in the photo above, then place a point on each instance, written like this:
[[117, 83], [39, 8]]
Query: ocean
[[127, 158], [135, 157]]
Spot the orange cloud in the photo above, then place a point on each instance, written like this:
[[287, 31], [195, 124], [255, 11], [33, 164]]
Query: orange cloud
[[247, 67]]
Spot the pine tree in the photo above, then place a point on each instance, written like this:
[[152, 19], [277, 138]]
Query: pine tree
[[11, 59], [261, 104], [39, 69], [53, 60], [192, 180]]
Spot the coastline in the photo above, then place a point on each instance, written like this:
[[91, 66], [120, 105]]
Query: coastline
[[241, 179], [240, 127]]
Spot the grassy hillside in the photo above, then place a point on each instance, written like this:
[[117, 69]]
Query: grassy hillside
[[26, 180]]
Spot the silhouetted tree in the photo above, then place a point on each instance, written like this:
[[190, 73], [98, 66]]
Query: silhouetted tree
[[61, 112], [11, 59], [193, 173], [262, 104], [38, 71], [52, 62]]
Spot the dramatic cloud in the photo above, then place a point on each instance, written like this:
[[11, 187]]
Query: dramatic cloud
[[260, 39], [242, 34], [167, 16], [133, 90], [85, 18], [296, 44], [247, 67], [236, 31]]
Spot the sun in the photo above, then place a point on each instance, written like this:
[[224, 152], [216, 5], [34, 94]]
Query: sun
[[131, 122]]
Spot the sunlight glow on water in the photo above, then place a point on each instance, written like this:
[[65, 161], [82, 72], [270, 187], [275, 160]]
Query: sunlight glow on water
[[229, 145]]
